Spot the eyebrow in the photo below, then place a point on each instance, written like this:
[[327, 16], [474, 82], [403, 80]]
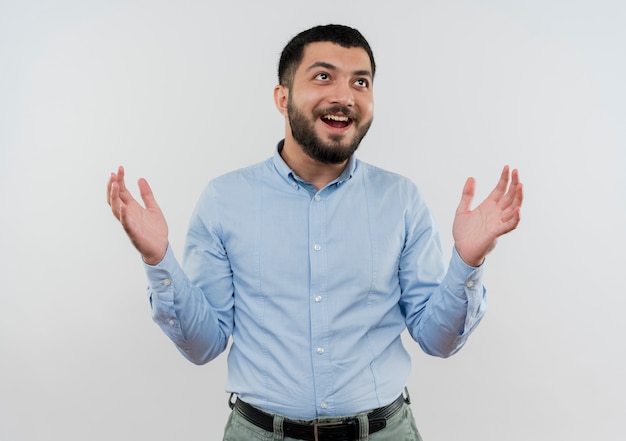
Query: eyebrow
[[329, 66]]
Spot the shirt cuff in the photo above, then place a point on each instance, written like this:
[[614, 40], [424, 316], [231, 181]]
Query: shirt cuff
[[460, 273], [162, 281], [162, 275], [466, 282]]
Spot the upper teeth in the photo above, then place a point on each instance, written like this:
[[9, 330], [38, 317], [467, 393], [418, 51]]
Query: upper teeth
[[337, 117]]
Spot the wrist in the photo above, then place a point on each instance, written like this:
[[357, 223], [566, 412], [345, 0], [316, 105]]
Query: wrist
[[473, 261], [155, 259]]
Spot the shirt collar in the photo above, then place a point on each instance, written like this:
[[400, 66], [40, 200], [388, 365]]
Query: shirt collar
[[293, 179]]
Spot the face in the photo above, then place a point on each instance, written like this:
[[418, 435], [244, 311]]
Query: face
[[330, 103]]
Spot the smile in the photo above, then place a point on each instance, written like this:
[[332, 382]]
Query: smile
[[336, 121]]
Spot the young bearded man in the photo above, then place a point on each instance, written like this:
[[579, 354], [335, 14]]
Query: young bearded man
[[314, 263]]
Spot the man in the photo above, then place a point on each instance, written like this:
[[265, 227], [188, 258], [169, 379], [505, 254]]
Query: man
[[315, 262]]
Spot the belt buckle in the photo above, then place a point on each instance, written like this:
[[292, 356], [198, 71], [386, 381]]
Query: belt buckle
[[350, 422]]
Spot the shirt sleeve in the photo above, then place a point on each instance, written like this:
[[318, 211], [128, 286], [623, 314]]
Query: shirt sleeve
[[442, 305], [194, 307]]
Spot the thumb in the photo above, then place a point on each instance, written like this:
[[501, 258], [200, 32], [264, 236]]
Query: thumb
[[469, 189], [146, 195]]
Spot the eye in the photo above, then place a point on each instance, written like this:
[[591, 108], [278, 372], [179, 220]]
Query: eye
[[323, 76], [362, 82]]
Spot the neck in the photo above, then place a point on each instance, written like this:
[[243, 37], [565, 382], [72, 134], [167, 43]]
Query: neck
[[317, 173]]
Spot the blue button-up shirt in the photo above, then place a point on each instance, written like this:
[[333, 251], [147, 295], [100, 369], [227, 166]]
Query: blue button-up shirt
[[314, 287]]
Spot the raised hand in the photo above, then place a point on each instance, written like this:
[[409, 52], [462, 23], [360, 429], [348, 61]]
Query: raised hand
[[476, 231], [146, 227]]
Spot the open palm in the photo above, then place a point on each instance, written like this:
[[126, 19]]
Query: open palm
[[146, 227], [476, 231]]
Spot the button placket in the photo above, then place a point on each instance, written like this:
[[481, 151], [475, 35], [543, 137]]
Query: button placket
[[318, 309]]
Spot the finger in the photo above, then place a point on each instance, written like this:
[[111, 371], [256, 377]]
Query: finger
[[514, 181], [126, 221], [501, 186], [511, 215], [518, 197], [511, 220], [514, 194], [115, 178], [120, 178], [519, 193], [109, 184], [507, 199], [147, 196], [469, 189], [124, 194], [515, 177], [114, 199]]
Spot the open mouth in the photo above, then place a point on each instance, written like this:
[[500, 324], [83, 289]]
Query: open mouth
[[336, 121]]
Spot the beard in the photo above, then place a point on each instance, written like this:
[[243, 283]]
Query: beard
[[333, 152]]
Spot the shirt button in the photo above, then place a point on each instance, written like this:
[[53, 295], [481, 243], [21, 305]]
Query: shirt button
[[469, 283], [320, 351], [317, 247], [318, 299], [317, 198], [167, 282], [324, 405], [172, 322]]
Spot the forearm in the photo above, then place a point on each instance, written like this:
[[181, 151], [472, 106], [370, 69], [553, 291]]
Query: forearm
[[184, 314], [452, 312]]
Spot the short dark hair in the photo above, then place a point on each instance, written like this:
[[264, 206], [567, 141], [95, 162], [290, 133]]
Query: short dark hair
[[293, 52]]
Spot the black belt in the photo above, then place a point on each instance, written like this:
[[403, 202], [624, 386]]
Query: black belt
[[343, 430]]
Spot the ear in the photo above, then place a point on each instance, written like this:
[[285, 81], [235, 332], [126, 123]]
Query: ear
[[281, 98]]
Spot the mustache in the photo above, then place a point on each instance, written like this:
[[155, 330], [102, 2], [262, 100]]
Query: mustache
[[346, 111]]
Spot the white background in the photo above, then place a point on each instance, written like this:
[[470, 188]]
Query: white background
[[181, 91]]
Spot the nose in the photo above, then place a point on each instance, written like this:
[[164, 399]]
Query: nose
[[342, 94]]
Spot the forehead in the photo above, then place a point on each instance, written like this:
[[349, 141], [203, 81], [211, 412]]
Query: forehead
[[350, 59]]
